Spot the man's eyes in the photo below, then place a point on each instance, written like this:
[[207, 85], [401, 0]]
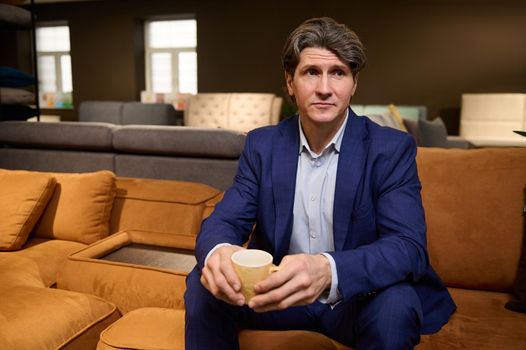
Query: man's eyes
[[336, 72]]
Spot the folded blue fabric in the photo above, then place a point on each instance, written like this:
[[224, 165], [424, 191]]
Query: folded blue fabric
[[10, 77]]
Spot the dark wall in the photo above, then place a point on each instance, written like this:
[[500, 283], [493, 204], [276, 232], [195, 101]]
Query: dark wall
[[425, 52]]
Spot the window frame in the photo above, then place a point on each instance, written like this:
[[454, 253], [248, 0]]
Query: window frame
[[57, 55], [173, 51]]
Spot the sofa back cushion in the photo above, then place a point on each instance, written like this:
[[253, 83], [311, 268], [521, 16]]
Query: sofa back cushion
[[181, 141], [23, 197], [474, 212], [75, 136], [149, 113], [165, 206], [248, 111], [236, 111], [432, 133], [101, 111], [207, 110], [80, 207]]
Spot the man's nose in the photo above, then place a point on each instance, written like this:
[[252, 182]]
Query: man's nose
[[323, 87]]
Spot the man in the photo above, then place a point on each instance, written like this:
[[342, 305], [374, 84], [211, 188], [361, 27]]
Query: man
[[336, 200]]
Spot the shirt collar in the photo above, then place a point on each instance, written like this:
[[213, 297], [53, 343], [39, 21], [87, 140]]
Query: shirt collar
[[336, 141]]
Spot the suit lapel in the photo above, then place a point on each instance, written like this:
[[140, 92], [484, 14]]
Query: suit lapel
[[284, 166], [350, 170]]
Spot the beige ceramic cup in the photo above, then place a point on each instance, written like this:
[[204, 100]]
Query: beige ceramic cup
[[252, 266]]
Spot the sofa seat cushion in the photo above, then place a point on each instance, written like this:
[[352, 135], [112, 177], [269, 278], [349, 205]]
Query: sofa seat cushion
[[146, 328], [80, 207], [18, 271], [48, 255], [163, 328], [23, 198], [46, 318], [480, 322]]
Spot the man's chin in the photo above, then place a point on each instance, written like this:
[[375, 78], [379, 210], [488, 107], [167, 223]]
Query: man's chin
[[325, 117]]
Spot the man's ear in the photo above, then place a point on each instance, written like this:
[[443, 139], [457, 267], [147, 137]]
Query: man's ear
[[355, 78], [354, 88], [290, 80]]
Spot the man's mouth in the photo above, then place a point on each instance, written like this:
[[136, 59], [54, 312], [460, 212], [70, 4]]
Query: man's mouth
[[323, 104]]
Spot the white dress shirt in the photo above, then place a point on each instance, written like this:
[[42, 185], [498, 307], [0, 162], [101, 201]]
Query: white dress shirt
[[312, 227]]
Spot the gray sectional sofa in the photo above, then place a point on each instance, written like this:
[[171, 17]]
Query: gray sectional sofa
[[202, 155]]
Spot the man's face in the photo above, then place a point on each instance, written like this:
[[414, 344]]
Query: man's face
[[322, 86]]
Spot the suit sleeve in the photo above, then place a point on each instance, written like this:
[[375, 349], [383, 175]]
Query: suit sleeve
[[234, 217], [399, 252]]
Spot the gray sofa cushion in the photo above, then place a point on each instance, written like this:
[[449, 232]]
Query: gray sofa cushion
[[179, 140], [412, 128], [149, 113], [64, 135], [218, 173], [101, 111], [432, 133], [54, 160]]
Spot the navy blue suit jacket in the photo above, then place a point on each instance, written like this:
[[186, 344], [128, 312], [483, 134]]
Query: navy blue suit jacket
[[379, 225]]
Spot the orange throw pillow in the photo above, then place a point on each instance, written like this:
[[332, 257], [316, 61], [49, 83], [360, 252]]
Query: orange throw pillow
[[80, 208], [23, 198]]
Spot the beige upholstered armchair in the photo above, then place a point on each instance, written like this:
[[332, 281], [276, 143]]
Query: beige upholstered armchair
[[237, 111], [488, 120]]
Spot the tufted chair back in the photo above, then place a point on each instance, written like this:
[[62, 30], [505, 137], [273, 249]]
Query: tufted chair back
[[236, 111]]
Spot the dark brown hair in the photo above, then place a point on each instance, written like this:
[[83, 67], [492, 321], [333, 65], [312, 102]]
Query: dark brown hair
[[328, 34]]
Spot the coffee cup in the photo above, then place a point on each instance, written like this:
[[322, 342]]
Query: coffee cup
[[252, 266]]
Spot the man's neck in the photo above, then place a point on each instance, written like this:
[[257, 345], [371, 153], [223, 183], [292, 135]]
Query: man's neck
[[319, 135]]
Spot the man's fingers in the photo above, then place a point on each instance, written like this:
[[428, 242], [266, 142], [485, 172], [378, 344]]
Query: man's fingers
[[299, 281], [288, 270], [219, 277], [293, 299], [231, 277], [227, 271], [274, 296], [207, 281], [226, 289]]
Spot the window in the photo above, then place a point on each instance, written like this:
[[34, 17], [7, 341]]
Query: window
[[171, 57], [54, 66]]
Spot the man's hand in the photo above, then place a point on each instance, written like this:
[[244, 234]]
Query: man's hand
[[220, 278], [301, 279]]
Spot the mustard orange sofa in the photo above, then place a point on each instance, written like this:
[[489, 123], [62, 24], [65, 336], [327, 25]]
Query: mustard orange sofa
[[59, 287], [47, 216]]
